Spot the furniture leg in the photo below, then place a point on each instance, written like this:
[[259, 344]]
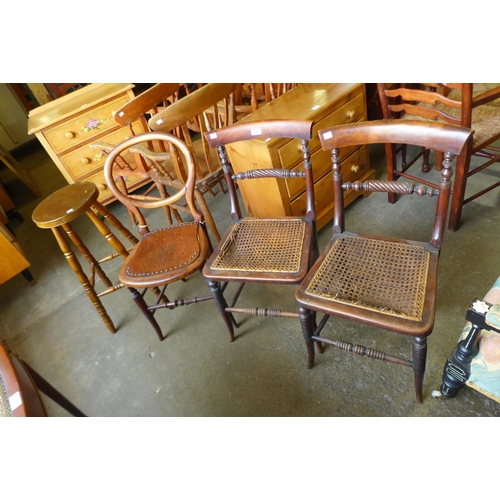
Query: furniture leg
[[82, 277], [221, 304], [141, 304], [52, 393], [306, 322], [419, 358]]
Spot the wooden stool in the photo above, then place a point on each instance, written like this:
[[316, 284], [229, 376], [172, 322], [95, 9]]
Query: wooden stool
[[65, 205]]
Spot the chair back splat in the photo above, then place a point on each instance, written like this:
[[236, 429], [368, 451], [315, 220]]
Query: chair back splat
[[270, 251], [385, 282], [167, 254], [473, 106]]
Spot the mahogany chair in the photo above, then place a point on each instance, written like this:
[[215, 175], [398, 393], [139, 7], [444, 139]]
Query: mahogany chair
[[458, 104], [167, 254], [271, 251], [385, 282]]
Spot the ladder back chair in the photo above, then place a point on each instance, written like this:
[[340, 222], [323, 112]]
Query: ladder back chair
[[167, 254], [473, 106], [269, 251], [385, 282]]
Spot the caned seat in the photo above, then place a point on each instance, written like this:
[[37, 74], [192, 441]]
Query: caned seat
[[387, 282], [270, 251]]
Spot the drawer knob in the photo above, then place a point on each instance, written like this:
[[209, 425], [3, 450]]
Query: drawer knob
[[85, 160], [355, 169], [350, 114], [69, 135], [102, 187]]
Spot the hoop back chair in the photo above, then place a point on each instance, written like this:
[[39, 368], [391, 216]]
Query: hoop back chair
[[463, 104], [262, 250], [168, 254], [388, 283]]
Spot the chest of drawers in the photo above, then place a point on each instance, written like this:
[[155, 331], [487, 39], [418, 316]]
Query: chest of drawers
[[67, 126], [326, 104]]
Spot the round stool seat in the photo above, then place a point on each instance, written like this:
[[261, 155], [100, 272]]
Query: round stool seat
[[65, 204]]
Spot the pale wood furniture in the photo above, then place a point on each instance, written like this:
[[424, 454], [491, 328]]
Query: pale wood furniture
[[383, 281], [268, 250], [63, 206], [19, 389], [67, 126], [12, 258], [327, 104], [168, 254], [461, 104]]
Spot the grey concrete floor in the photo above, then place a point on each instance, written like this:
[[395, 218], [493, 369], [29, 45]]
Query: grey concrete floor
[[196, 371]]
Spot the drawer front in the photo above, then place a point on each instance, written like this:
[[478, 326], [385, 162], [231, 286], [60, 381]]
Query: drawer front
[[351, 112], [84, 127], [86, 160], [352, 168]]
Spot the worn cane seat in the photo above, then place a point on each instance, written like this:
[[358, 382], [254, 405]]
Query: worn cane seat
[[165, 255], [263, 245], [383, 276]]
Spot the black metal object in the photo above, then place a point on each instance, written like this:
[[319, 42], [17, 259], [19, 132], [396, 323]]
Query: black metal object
[[457, 368]]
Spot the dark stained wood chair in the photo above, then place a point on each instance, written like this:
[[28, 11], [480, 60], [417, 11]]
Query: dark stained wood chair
[[167, 254], [269, 251], [384, 282], [463, 104]]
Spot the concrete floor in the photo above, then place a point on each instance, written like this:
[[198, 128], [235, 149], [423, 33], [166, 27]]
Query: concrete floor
[[196, 371]]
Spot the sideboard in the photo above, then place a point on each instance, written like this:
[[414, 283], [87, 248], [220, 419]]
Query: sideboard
[[67, 126], [327, 104]]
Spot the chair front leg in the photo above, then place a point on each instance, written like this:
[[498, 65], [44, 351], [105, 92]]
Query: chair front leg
[[221, 304], [307, 321], [419, 359], [141, 304]]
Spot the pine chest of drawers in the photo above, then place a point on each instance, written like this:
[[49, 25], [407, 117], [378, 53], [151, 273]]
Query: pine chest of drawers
[[327, 104], [67, 126]]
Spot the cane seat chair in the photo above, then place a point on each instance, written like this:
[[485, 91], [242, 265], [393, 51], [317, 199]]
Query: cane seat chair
[[167, 254], [474, 106], [387, 283], [270, 251]]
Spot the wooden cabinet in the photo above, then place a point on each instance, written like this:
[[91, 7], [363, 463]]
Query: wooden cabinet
[[327, 104], [67, 126]]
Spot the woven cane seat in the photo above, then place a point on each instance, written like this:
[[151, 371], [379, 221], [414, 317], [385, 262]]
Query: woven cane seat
[[263, 245], [5, 410], [382, 276]]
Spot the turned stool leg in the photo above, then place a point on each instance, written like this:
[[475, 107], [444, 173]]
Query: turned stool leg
[[82, 277]]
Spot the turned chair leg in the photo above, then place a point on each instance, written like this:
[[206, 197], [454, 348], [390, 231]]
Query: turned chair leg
[[307, 321], [221, 304], [419, 359], [141, 304]]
